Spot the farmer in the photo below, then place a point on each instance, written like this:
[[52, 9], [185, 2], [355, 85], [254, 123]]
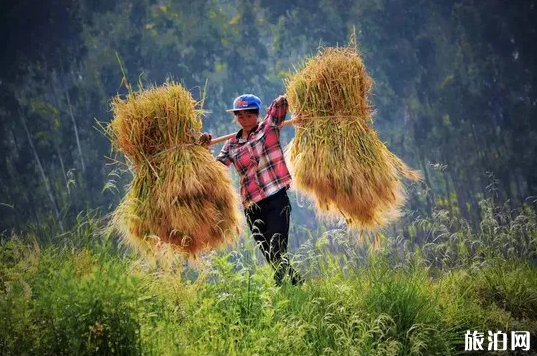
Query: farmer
[[257, 155]]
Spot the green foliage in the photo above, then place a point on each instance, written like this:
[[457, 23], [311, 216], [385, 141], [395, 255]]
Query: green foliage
[[450, 242], [101, 299], [454, 96], [68, 302], [82, 295], [511, 286]]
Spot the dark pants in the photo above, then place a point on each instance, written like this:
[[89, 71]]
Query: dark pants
[[268, 221]]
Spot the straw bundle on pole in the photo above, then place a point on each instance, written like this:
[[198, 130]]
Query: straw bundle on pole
[[180, 195], [336, 157]]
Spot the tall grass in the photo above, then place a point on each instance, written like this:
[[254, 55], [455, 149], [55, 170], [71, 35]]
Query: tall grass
[[82, 294], [450, 242]]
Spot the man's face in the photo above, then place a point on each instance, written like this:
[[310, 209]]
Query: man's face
[[247, 119]]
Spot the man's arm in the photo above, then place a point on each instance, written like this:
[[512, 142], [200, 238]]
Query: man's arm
[[277, 111], [223, 157]]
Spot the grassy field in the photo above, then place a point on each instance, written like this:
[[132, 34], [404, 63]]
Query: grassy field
[[81, 294]]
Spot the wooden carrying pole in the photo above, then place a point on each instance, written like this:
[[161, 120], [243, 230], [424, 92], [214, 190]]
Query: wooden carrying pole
[[227, 137]]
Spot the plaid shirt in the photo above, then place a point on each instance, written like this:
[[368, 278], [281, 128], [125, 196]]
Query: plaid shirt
[[259, 160]]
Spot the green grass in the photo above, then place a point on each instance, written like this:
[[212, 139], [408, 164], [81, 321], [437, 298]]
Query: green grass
[[83, 295]]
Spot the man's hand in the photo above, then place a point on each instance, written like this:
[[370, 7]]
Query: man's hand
[[205, 139], [280, 99]]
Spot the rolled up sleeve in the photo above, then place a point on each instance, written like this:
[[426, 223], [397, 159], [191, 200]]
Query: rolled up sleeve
[[223, 156], [276, 112]]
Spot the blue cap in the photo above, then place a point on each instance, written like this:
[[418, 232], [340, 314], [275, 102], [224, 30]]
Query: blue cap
[[246, 102]]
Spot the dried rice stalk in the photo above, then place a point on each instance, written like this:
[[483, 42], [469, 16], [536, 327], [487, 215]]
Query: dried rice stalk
[[180, 196], [336, 157]]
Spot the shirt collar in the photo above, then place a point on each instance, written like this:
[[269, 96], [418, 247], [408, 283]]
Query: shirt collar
[[238, 136]]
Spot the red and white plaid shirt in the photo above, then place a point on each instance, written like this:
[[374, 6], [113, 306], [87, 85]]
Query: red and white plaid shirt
[[259, 160]]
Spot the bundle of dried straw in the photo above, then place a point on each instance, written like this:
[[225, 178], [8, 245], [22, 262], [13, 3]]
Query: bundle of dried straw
[[336, 157], [180, 195]]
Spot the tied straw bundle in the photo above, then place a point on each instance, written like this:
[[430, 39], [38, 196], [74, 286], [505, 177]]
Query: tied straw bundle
[[336, 157], [180, 195]]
